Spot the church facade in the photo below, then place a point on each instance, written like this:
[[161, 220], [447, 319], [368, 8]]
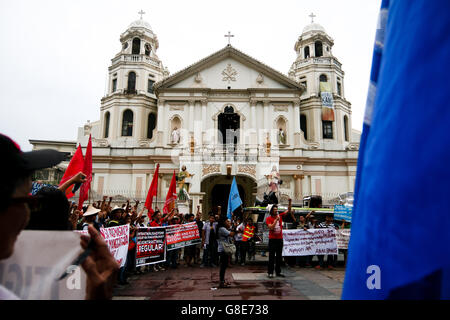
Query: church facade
[[226, 115]]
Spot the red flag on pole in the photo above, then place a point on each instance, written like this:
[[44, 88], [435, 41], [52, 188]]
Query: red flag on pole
[[152, 190], [87, 170], [171, 195], [76, 165]]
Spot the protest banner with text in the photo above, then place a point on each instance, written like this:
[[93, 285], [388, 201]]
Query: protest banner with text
[[117, 239], [298, 242], [342, 238], [150, 245], [343, 212], [181, 235]]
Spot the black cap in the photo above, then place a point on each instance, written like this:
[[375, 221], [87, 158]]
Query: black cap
[[16, 162]]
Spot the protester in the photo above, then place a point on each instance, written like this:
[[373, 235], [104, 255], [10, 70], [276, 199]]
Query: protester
[[248, 240], [331, 258], [89, 217], [189, 251], [223, 235], [209, 242], [173, 255], [274, 222], [15, 202], [239, 231], [198, 220], [115, 217], [303, 223]]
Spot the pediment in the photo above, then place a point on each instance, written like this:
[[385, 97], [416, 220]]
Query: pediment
[[228, 68]]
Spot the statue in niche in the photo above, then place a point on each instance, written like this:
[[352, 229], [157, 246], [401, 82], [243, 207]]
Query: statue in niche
[[175, 138], [281, 136], [183, 185]]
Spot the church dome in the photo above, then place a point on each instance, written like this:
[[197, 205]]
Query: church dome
[[140, 23], [314, 27]]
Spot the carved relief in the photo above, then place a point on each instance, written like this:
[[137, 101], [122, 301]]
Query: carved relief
[[248, 169], [260, 79], [353, 146], [229, 74], [100, 142], [144, 143], [210, 168]]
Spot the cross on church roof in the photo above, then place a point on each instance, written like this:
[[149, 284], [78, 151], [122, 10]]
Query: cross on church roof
[[312, 15], [229, 36], [141, 13]]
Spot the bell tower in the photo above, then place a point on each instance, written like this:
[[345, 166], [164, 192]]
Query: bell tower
[[129, 108], [325, 114]]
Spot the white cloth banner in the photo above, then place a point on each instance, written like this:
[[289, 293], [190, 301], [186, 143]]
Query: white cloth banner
[[298, 242], [117, 239], [39, 259], [342, 238]]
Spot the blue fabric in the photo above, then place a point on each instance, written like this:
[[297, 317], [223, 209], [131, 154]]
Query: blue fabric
[[234, 200], [401, 209]]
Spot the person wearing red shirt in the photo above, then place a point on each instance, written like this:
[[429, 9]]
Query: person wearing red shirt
[[274, 222]]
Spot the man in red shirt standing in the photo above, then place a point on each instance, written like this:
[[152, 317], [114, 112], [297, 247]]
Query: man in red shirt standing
[[274, 222]]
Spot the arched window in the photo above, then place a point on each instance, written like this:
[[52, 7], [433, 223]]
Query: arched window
[[228, 109], [306, 52], [107, 117], [323, 78], [303, 126], [151, 124], [131, 82], [136, 48], [346, 128], [127, 123], [318, 48]]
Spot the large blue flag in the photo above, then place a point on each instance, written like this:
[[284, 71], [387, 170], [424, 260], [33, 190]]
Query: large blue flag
[[234, 200], [400, 241]]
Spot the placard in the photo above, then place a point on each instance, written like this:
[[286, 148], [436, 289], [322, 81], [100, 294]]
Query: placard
[[299, 242], [150, 245]]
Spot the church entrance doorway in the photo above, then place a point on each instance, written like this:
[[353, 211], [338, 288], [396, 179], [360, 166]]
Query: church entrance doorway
[[217, 189], [228, 125]]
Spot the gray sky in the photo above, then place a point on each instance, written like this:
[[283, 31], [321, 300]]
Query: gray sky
[[55, 54]]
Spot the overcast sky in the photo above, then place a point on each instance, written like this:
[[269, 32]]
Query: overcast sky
[[55, 55]]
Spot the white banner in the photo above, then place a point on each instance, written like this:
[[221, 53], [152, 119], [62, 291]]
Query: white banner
[[298, 242], [39, 259], [342, 238], [117, 239]]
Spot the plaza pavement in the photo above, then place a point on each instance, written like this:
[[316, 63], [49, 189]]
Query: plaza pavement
[[248, 282]]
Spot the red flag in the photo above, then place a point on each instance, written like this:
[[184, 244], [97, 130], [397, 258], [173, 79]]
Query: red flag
[[152, 190], [75, 166], [171, 195], [87, 170]]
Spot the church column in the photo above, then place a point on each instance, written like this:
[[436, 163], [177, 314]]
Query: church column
[[298, 187], [160, 179], [160, 123], [296, 124], [253, 133], [191, 115], [138, 123], [204, 127], [296, 116]]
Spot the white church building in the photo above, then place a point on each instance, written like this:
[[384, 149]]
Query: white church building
[[223, 116]]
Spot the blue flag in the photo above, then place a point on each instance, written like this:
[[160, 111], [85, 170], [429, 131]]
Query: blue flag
[[234, 200], [400, 241]]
